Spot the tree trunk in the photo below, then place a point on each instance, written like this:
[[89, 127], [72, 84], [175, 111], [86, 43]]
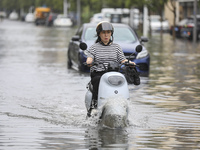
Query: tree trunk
[[161, 20], [174, 24]]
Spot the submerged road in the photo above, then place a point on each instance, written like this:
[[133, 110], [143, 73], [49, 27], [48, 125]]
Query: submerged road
[[42, 102]]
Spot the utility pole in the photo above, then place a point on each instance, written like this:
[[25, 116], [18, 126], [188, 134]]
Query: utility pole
[[78, 12], [145, 21], [65, 7], [195, 22]]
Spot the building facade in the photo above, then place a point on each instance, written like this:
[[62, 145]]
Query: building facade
[[184, 9]]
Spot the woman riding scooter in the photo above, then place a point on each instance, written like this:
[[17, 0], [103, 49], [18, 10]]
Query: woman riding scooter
[[104, 50]]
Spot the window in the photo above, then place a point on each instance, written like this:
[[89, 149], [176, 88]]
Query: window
[[121, 34], [90, 34]]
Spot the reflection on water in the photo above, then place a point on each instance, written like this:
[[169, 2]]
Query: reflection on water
[[174, 78], [42, 106]]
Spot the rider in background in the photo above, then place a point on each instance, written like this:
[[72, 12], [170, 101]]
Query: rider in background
[[104, 50]]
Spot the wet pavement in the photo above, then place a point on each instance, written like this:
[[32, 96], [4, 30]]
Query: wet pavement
[[42, 102]]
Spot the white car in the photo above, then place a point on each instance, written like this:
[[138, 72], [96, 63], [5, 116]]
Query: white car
[[96, 18], [156, 23], [62, 21], [29, 17], [2, 14], [13, 16]]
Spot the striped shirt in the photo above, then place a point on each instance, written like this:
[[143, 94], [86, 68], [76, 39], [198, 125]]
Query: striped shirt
[[105, 54]]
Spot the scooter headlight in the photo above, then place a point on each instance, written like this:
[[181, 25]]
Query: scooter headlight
[[115, 80]]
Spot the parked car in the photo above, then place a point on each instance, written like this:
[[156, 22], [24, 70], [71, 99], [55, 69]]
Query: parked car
[[50, 19], [2, 15], [123, 35], [178, 28], [156, 23], [96, 18], [29, 17], [13, 15], [62, 21], [187, 29]]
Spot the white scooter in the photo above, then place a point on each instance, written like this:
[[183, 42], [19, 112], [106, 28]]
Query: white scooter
[[113, 95]]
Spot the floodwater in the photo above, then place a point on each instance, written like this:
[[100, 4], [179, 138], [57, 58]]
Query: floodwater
[[42, 102]]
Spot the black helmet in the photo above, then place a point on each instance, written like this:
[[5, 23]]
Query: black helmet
[[103, 26]]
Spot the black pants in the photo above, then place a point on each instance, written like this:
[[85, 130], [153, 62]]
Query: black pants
[[95, 79]]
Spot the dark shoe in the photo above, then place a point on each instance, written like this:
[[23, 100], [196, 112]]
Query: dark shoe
[[92, 106], [89, 112]]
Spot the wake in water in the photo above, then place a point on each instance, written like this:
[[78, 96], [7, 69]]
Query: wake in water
[[113, 113], [121, 113]]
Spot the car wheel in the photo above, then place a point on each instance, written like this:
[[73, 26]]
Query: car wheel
[[80, 64], [69, 62]]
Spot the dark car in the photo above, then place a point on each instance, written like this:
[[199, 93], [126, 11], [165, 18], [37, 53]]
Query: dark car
[[187, 29], [178, 27], [123, 35]]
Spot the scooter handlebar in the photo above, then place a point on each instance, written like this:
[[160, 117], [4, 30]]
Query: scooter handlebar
[[120, 66], [92, 64], [127, 63]]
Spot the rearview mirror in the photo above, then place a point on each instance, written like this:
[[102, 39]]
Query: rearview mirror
[[138, 48], [143, 39], [83, 46], [75, 38]]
